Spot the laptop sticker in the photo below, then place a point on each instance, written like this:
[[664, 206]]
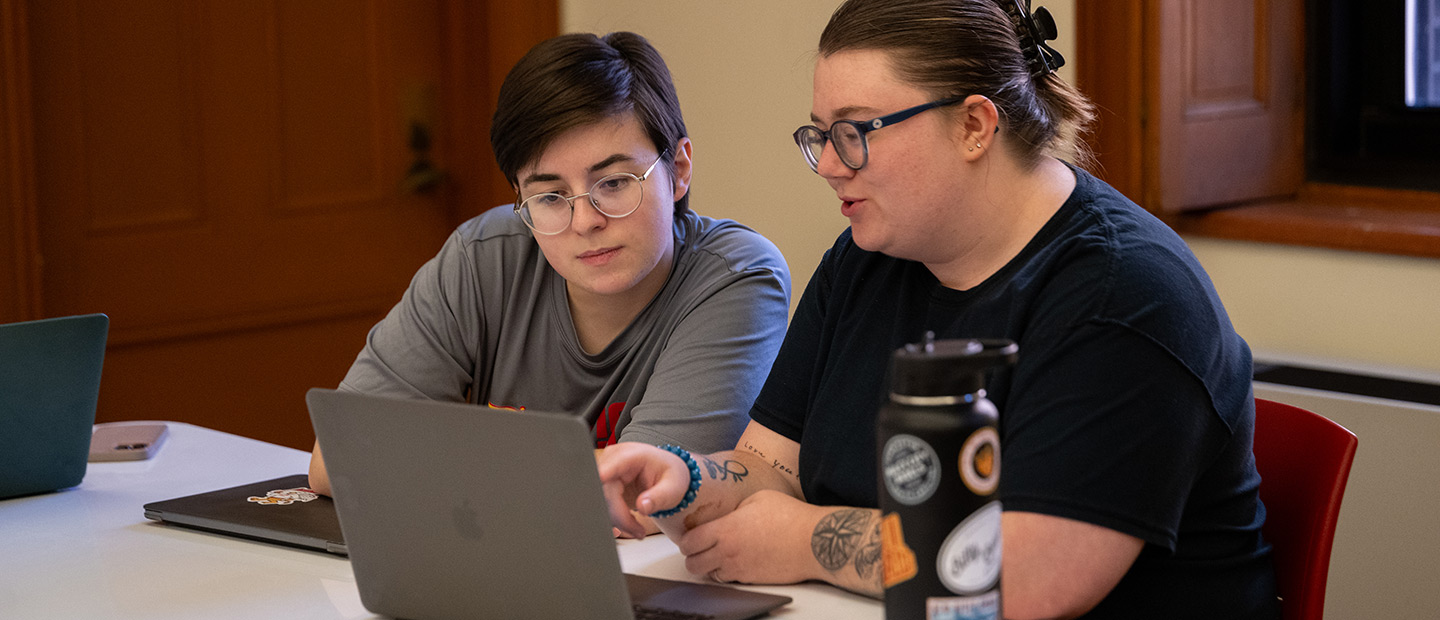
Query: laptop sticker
[[284, 497]]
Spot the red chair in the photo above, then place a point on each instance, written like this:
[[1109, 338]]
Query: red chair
[[1304, 461]]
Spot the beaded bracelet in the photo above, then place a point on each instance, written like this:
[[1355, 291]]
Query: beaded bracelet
[[694, 481]]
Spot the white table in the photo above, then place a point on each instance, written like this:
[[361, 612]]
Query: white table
[[89, 552]]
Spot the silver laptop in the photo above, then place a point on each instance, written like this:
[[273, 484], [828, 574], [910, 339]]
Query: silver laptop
[[49, 386], [456, 511]]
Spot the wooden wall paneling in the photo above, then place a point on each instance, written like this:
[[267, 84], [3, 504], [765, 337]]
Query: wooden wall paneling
[[324, 49], [224, 180], [19, 244], [120, 164]]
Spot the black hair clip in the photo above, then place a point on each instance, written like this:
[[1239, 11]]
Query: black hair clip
[[1041, 27]]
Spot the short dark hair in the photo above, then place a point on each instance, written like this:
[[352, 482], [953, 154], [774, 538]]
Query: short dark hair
[[577, 79], [969, 47]]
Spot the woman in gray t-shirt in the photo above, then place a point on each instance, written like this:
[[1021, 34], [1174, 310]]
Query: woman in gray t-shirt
[[599, 293]]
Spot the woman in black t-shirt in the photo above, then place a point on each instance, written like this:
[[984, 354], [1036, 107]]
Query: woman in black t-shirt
[[1128, 483]]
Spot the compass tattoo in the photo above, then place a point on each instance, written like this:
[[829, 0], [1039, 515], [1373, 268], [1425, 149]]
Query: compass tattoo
[[838, 535]]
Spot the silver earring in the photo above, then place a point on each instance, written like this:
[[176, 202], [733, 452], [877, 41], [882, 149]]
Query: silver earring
[[978, 145]]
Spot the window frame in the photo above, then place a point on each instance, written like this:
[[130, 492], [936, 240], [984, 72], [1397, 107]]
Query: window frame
[[1131, 62]]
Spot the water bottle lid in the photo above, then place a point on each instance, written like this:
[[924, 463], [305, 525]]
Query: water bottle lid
[[947, 367]]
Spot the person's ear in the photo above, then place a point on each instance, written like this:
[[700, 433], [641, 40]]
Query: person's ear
[[979, 122], [682, 166]]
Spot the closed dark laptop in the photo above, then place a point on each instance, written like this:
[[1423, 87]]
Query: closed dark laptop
[[457, 511], [49, 384], [281, 511]]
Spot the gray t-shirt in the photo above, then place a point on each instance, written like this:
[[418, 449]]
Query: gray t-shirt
[[487, 320]]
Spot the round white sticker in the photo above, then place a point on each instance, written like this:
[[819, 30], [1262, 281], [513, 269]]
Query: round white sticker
[[912, 469], [969, 560]]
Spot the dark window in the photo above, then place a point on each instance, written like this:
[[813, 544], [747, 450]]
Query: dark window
[[1374, 93], [1422, 53]]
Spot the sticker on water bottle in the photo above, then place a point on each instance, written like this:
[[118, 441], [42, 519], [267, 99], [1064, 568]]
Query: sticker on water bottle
[[969, 559], [980, 461], [983, 607], [912, 469], [897, 559]]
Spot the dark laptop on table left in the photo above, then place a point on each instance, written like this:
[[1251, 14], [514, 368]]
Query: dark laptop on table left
[[49, 387], [282, 511]]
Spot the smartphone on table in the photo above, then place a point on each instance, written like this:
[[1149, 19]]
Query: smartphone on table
[[126, 441]]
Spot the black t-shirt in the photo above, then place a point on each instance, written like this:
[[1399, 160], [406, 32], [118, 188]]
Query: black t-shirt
[[1130, 406]]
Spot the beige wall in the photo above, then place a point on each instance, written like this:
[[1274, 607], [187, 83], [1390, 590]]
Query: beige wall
[[1349, 309], [743, 71]]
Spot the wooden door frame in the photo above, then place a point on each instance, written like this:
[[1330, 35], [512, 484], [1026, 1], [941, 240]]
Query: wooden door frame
[[483, 40], [1110, 69]]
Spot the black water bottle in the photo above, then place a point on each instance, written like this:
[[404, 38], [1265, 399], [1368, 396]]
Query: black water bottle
[[938, 451]]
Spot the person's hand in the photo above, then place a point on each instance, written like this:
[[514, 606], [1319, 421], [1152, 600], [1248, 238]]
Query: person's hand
[[651, 527], [642, 478], [766, 539]]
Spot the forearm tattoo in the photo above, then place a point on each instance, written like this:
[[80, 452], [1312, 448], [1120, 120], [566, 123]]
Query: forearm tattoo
[[775, 463], [839, 535], [867, 560], [727, 470]]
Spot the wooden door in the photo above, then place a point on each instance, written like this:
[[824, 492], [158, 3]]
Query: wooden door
[[227, 180]]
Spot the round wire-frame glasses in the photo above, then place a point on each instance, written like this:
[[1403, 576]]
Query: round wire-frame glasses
[[614, 195], [849, 136]]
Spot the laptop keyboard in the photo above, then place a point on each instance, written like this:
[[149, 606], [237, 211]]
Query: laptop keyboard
[[657, 613]]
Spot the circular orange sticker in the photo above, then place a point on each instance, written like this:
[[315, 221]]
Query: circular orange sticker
[[980, 461]]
